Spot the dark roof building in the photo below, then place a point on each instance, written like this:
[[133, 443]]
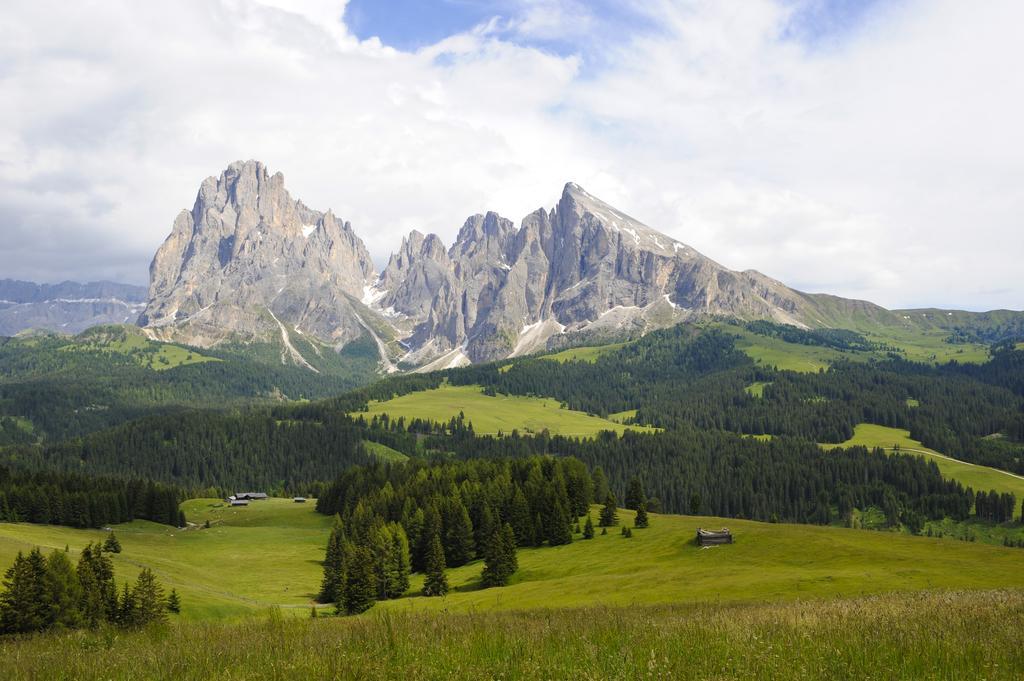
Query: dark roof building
[[252, 496], [711, 538]]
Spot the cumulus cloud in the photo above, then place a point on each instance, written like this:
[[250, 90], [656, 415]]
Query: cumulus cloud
[[879, 159]]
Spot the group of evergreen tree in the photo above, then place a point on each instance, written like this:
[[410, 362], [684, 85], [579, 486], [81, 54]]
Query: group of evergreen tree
[[365, 562], [996, 507], [43, 593], [445, 514], [82, 501]]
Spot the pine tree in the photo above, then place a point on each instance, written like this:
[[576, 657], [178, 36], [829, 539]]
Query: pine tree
[[508, 537], [601, 489], [436, 582], [634, 494], [641, 516], [400, 555], [609, 514], [96, 577], [588, 528], [360, 591], [112, 545], [24, 603], [459, 545], [65, 593], [149, 599], [519, 518], [174, 603], [558, 531], [334, 566], [126, 614]]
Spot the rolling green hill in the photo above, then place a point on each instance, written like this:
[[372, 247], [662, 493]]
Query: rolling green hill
[[268, 554], [492, 414]]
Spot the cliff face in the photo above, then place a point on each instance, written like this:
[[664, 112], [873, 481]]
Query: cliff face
[[248, 258], [581, 268], [249, 263]]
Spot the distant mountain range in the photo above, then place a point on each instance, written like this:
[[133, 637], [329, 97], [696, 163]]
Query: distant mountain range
[[248, 263], [67, 307]]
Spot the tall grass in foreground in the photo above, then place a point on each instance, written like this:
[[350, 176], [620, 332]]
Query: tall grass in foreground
[[954, 635]]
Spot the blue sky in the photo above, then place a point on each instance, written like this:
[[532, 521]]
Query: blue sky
[[412, 24]]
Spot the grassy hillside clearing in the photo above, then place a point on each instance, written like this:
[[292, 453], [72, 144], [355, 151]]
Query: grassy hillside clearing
[[127, 340], [490, 415], [756, 389], [768, 562], [583, 354], [969, 474], [249, 559], [384, 452], [974, 635], [268, 554]]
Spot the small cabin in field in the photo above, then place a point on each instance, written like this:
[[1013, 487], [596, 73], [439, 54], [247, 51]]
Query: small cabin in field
[[299, 500], [251, 496], [712, 538], [238, 502]]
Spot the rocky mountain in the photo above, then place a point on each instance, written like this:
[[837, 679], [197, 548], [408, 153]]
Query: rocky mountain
[[581, 270], [68, 307], [250, 263]]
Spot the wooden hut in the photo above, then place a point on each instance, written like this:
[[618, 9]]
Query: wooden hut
[[712, 538]]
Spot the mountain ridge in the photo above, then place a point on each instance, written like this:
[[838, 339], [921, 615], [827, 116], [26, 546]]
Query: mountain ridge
[[251, 263]]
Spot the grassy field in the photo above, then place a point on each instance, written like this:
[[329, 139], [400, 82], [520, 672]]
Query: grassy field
[[583, 354], [782, 355], [249, 559], [130, 341], [756, 389], [919, 346], [978, 477], [974, 635], [768, 562], [490, 415], [268, 555], [384, 452]]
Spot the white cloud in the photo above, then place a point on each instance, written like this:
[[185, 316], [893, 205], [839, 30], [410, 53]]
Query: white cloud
[[883, 163]]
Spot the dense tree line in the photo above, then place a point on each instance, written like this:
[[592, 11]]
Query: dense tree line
[[77, 500], [46, 593], [837, 339], [424, 517], [257, 448], [728, 475], [995, 507]]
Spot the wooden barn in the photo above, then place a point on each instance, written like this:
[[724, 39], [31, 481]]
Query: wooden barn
[[251, 496], [299, 500], [712, 538], [238, 502]]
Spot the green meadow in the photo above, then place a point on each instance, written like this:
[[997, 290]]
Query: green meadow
[[490, 415], [267, 555], [126, 340], [384, 452], [969, 474], [587, 353], [756, 389], [250, 558], [933, 635]]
